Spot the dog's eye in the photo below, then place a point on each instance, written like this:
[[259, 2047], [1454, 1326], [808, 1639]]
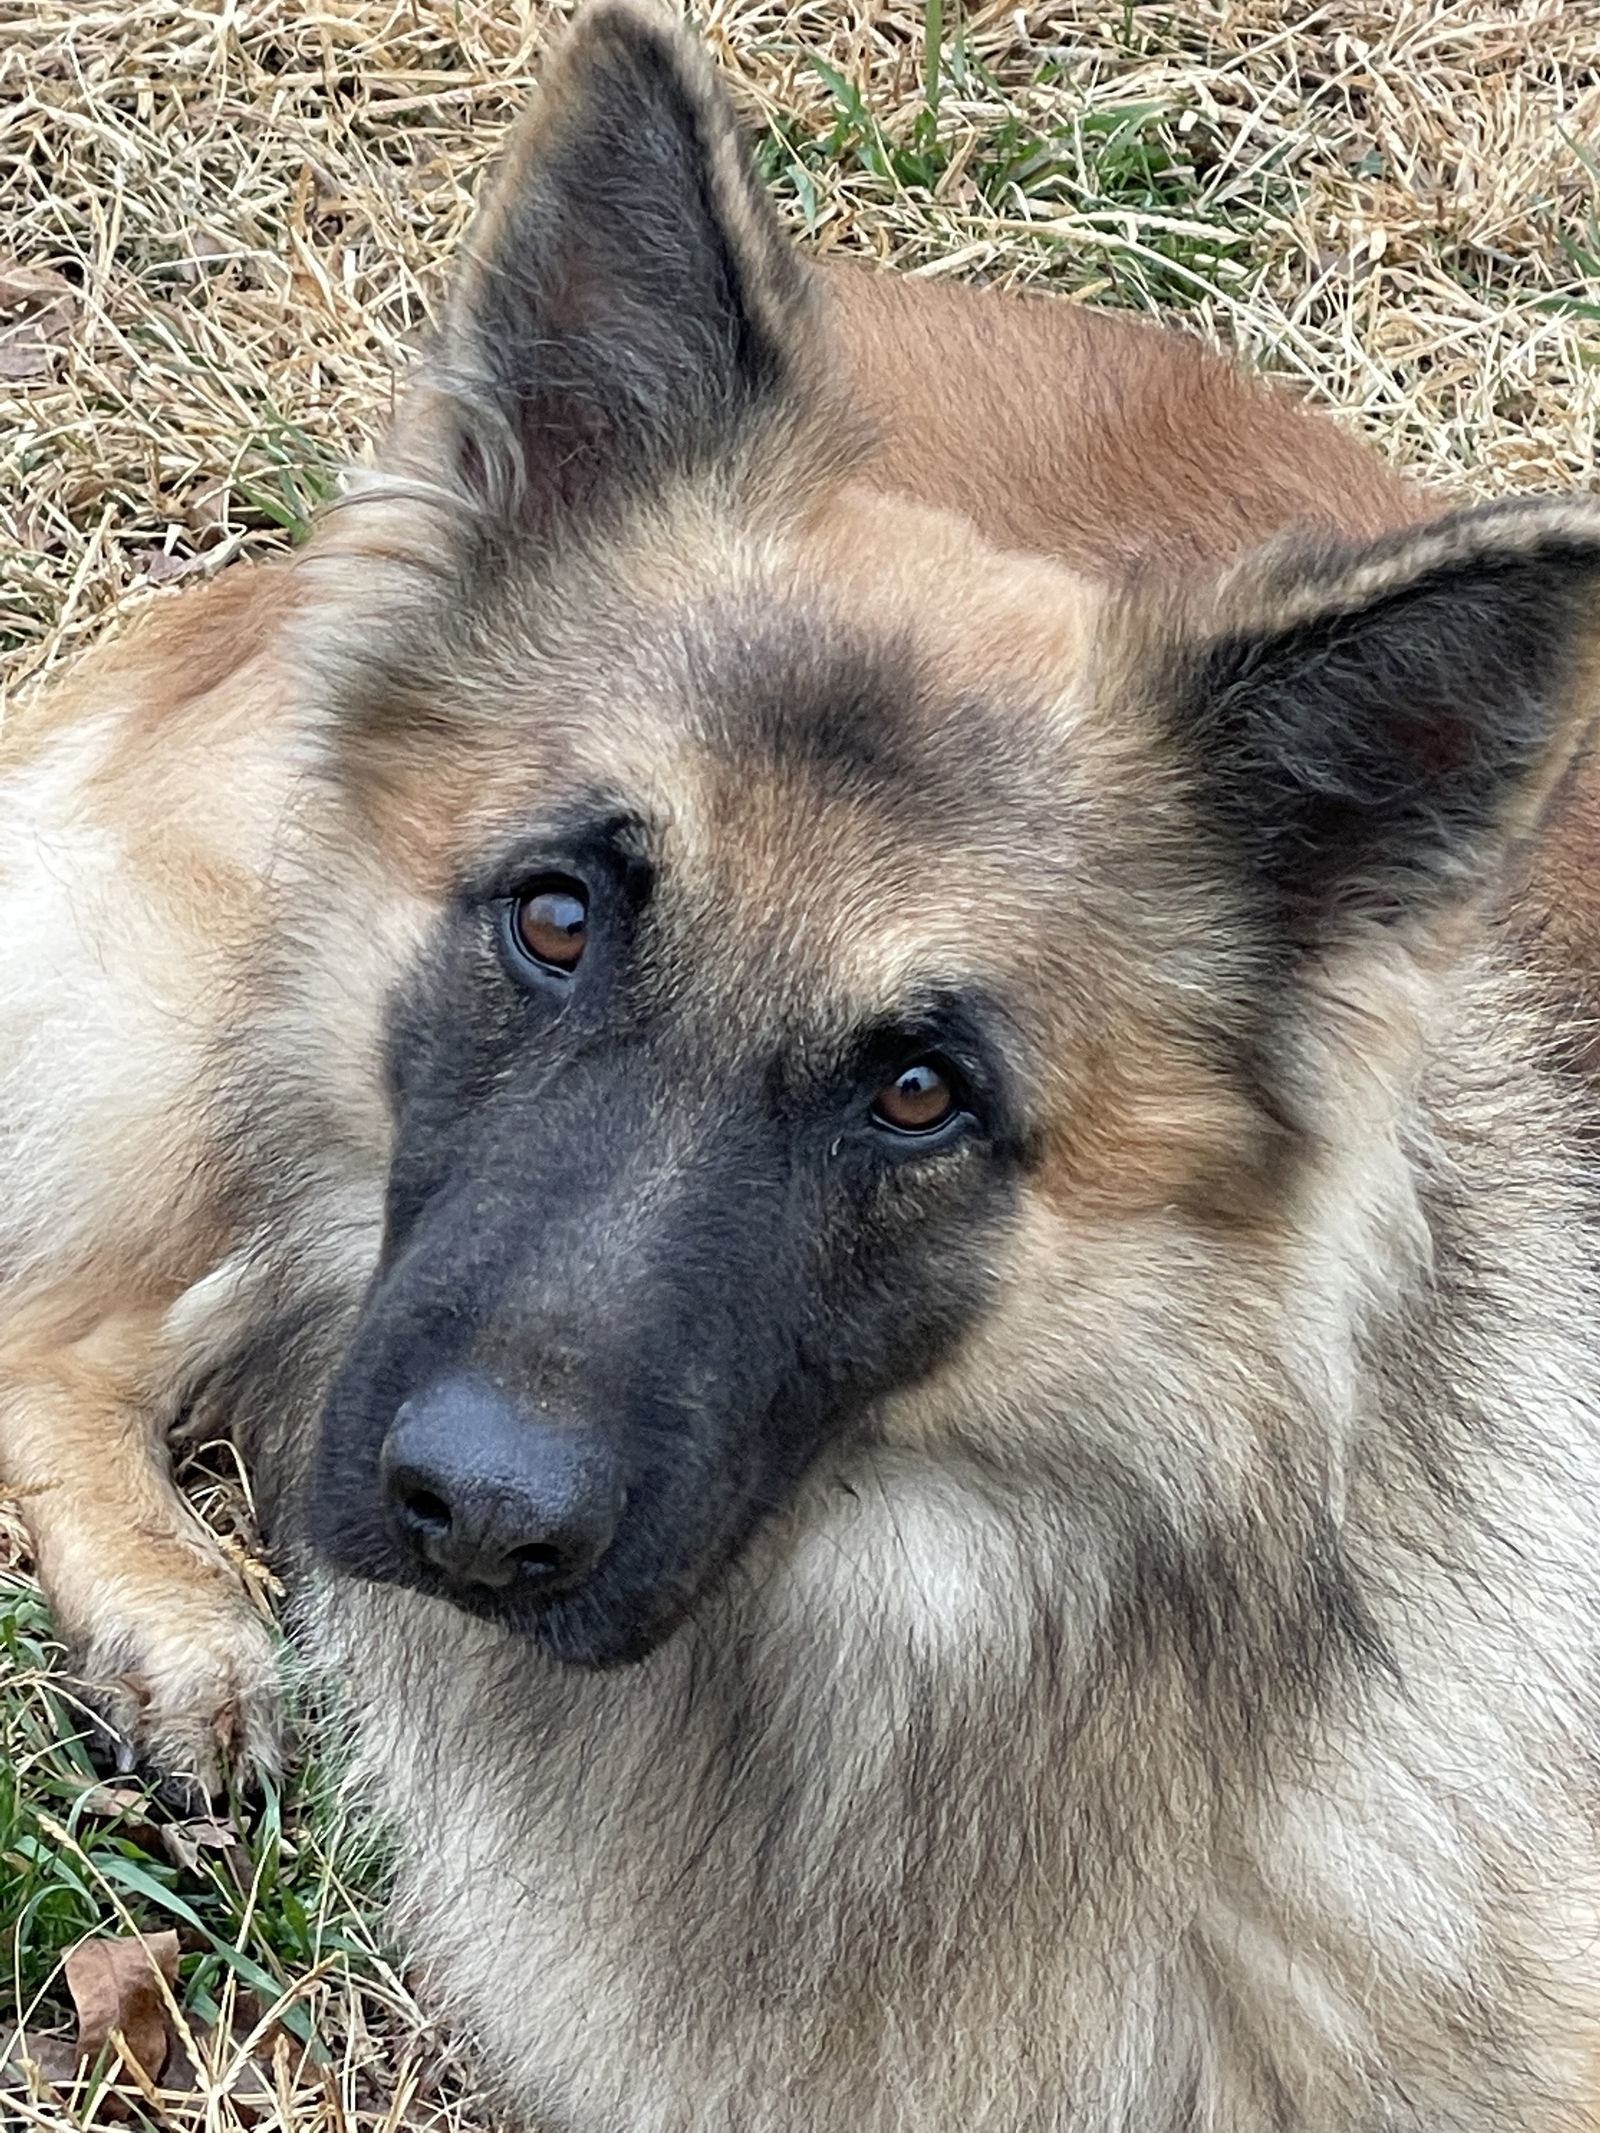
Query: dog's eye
[[551, 922], [920, 1100]]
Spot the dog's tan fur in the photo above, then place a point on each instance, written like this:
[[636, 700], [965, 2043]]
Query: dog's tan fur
[[1204, 1903]]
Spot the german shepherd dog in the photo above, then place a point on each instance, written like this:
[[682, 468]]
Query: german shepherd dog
[[846, 1037]]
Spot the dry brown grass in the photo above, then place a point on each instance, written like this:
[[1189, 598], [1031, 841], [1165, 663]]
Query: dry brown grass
[[248, 202], [223, 225]]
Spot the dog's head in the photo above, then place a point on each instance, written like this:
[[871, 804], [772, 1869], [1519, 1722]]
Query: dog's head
[[842, 985]]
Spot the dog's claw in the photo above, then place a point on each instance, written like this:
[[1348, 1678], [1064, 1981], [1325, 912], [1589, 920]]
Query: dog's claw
[[189, 1694]]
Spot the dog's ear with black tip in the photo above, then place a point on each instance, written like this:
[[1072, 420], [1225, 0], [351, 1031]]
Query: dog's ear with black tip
[[628, 306], [1374, 730]]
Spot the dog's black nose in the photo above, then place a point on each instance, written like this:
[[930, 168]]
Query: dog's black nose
[[492, 1493]]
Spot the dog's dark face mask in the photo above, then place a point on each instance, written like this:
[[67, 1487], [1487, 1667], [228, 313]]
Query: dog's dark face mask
[[649, 1246]]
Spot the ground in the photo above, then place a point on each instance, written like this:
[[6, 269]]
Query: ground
[[223, 229]]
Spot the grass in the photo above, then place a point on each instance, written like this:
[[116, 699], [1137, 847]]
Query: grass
[[287, 2011], [247, 207], [223, 228]]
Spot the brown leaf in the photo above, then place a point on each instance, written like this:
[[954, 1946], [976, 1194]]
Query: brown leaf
[[127, 1804], [165, 569], [116, 1985], [37, 306], [24, 359], [180, 2076], [108, 1803], [32, 288], [251, 2090], [183, 1842], [39, 2065], [206, 513]]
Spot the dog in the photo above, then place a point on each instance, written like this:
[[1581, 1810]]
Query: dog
[[849, 1038]]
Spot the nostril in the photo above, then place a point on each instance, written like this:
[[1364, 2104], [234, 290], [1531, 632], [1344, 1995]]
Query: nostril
[[423, 1507], [538, 1559]]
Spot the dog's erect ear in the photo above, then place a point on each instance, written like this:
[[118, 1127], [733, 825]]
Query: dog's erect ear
[[628, 305], [1373, 730]]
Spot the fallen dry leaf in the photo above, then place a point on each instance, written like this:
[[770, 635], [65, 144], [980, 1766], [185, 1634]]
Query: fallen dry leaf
[[24, 354], [116, 1986], [31, 288], [127, 1804], [244, 2075], [165, 569], [250, 2088], [39, 2065], [185, 1842], [206, 513], [108, 1802], [37, 306]]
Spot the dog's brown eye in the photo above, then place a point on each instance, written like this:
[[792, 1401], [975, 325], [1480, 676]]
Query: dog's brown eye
[[552, 922], [917, 1101]]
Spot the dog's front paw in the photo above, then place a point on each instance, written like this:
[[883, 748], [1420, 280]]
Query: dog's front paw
[[185, 1684]]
